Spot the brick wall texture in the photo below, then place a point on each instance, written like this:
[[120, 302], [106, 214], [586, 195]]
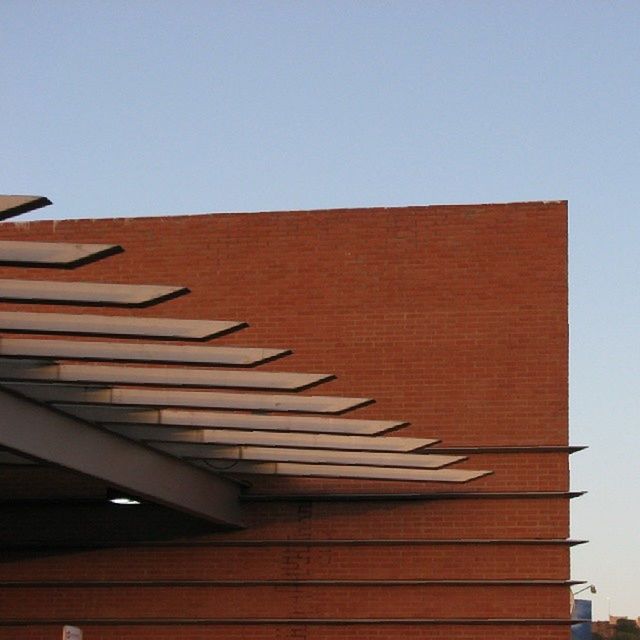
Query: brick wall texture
[[453, 318]]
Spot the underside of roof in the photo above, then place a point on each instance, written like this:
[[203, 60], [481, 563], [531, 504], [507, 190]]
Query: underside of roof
[[111, 398]]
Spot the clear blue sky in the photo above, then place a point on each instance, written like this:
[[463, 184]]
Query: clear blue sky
[[128, 108]]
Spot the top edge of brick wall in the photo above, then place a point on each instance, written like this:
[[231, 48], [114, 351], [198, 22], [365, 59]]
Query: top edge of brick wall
[[514, 207]]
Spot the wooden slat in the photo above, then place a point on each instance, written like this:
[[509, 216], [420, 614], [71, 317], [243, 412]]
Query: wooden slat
[[106, 414], [115, 326], [86, 293], [11, 206], [269, 439], [241, 421], [343, 471], [307, 456], [14, 369], [62, 255], [59, 393]]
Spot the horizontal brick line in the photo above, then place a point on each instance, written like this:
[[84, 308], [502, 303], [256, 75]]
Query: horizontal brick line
[[364, 497], [289, 621], [512, 449], [299, 543], [281, 583], [321, 497]]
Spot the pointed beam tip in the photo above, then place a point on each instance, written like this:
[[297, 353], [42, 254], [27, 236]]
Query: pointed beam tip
[[321, 380], [218, 334], [365, 402], [424, 447], [53, 255], [86, 294], [178, 292], [280, 353], [395, 427], [15, 205]]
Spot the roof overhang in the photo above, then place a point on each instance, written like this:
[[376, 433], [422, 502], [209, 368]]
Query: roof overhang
[[55, 438]]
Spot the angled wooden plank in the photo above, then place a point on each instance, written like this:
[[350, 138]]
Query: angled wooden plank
[[62, 255], [50, 393], [115, 326], [15, 369], [269, 439], [61, 393], [11, 206], [308, 456], [86, 293], [79, 446], [241, 421], [343, 471]]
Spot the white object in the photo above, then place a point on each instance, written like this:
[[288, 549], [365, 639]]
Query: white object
[[71, 633]]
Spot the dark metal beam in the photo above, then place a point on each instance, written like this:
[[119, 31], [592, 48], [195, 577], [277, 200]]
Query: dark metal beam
[[79, 446], [61, 255], [395, 461], [115, 326], [94, 294], [298, 621], [342, 471], [109, 414], [38, 370], [11, 206], [165, 397], [272, 439]]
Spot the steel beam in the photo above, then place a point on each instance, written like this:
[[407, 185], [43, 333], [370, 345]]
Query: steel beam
[[115, 326], [161, 397], [343, 471], [307, 456], [19, 369], [37, 431], [93, 294], [60, 255], [106, 414], [11, 206], [269, 439]]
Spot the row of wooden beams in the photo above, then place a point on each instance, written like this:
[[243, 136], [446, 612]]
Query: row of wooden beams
[[11, 206], [344, 471], [59, 393], [106, 414], [224, 441], [18, 369], [268, 439], [307, 456], [61, 255], [86, 293], [115, 326]]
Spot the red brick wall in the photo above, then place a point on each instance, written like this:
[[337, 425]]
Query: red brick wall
[[451, 317]]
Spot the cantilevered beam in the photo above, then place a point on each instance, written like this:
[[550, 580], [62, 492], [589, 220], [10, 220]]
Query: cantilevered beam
[[343, 471], [268, 439], [106, 414], [61, 393], [37, 431], [17, 369], [96, 294], [307, 456], [115, 326], [11, 206], [60, 255]]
